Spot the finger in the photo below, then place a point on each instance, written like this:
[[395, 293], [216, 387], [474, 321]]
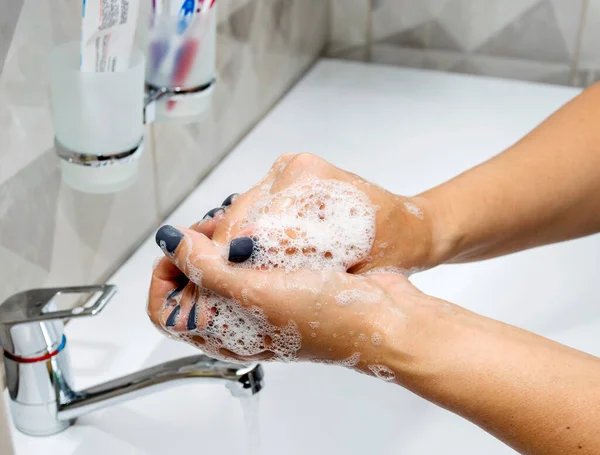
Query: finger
[[205, 226], [304, 164], [167, 281], [183, 316], [236, 213], [240, 249], [296, 167], [214, 217], [280, 165], [165, 270], [249, 198], [195, 254], [230, 200], [214, 213]]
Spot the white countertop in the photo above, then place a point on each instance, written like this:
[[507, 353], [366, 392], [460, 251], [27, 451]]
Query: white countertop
[[406, 130]]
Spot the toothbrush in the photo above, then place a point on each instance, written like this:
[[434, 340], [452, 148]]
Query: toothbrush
[[164, 49], [186, 54]]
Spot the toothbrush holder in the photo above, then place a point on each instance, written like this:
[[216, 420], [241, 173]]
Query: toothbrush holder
[[180, 68], [98, 121]]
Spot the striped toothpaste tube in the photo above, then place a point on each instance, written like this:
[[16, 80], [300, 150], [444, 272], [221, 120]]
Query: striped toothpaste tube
[[107, 33]]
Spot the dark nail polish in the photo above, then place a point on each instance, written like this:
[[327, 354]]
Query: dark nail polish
[[227, 202], [174, 293], [212, 213], [168, 238], [172, 319], [191, 322], [241, 249]]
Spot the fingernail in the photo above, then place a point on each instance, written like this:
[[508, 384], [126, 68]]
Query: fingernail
[[227, 202], [172, 319], [191, 322], [168, 238], [171, 295], [241, 249], [212, 213]]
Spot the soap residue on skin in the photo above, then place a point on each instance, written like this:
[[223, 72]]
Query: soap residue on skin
[[382, 372], [346, 298], [349, 362], [414, 210], [376, 339], [395, 270]]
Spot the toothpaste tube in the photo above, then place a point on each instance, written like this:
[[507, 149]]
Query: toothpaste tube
[[107, 33]]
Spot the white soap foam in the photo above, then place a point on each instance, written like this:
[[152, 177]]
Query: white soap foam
[[349, 362], [243, 331], [314, 224], [314, 325], [194, 273], [376, 339], [382, 372]]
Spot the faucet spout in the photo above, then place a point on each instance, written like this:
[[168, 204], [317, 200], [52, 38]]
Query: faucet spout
[[241, 380]]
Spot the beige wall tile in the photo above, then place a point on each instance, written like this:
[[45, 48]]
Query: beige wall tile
[[588, 68], [533, 40], [349, 28]]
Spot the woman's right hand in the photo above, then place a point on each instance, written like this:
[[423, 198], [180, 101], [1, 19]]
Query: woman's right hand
[[403, 237]]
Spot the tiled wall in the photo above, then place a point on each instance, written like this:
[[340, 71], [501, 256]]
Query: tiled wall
[[555, 41], [52, 235]]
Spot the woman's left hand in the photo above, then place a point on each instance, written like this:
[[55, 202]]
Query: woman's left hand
[[248, 315]]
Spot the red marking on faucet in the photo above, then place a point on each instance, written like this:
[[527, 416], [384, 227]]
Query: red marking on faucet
[[42, 358]]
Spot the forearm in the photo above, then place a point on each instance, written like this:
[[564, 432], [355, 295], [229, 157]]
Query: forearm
[[535, 395], [544, 189]]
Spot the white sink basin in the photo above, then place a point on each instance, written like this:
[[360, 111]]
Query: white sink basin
[[304, 409], [419, 128]]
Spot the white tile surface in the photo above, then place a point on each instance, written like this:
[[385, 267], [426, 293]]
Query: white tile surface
[[419, 128]]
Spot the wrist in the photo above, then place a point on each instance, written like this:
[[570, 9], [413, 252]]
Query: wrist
[[414, 330], [450, 356], [444, 233]]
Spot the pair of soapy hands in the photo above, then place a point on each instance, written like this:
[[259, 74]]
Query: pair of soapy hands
[[365, 331]]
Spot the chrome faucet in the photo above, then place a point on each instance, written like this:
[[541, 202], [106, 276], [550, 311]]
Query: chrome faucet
[[38, 372]]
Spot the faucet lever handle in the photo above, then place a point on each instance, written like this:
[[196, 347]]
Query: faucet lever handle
[[34, 305]]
